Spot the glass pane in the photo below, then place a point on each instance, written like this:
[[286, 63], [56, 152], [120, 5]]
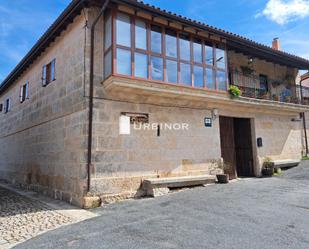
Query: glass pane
[[171, 44], [198, 77], [123, 27], [156, 68], [171, 71], [108, 64], [156, 39], [185, 71], [184, 49], [221, 78], [123, 61], [210, 84], [108, 32], [197, 52], [220, 54], [209, 55], [140, 35], [141, 65]]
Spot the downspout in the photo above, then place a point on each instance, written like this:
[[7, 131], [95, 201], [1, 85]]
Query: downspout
[[90, 116], [304, 119]]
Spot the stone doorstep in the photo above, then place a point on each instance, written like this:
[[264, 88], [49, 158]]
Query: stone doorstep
[[286, 163], [160, 186]]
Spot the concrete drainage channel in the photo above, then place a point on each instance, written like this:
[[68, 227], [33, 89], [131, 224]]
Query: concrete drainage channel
[[26, 214]]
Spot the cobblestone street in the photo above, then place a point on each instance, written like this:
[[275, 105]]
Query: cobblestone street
[[22, 218]]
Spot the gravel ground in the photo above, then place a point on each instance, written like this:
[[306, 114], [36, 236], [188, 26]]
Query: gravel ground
[[249, 213], [22, 218]]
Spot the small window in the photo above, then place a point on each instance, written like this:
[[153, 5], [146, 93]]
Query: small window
[[198, 76], [210, 83], [123, 30], [140, 35], [184, 43], [1, 107], [220, 60], [48, 74], [24, 92], [156, 68], [171, 71], [171, 43], [7, 105], [197, 51], [185, 71], [156, 39], [108, 31], [123, 61], [141, 65], [221, 79], [209, 55], [108, 64]]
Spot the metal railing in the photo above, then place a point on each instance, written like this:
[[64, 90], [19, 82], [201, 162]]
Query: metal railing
[[276, 90]]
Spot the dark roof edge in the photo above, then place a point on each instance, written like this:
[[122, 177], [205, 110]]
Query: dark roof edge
[[66, 17], [305, 76]]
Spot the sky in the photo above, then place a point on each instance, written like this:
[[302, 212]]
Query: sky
[[22, 22]]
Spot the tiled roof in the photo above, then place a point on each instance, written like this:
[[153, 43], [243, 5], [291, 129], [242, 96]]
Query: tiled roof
[[76, 6], [221, 32]]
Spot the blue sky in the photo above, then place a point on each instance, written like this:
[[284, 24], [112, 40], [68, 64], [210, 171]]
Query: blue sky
[[22, 22]]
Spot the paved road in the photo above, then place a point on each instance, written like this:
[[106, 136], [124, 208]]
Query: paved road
[[252, 213]]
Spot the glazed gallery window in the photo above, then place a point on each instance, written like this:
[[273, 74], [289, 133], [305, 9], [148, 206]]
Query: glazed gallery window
[[144, 50]]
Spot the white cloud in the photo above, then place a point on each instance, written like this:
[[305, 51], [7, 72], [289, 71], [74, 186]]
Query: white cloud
[[283, 12]]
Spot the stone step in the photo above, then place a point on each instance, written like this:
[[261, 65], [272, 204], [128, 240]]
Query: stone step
[[160, 186], [286, 163]]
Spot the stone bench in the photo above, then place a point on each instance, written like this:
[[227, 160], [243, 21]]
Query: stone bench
[[287, 163], [160, 186]]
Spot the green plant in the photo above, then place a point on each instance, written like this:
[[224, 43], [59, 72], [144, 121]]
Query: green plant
[[268, 167], [305, 158], [275, 97], [268, 160], [234, 91]]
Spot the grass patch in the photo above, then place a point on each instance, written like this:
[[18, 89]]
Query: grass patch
[[305, 158]]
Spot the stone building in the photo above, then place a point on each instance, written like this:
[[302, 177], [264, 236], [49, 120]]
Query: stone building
[[106, 65]]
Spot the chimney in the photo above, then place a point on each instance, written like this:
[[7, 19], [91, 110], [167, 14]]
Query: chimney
[[276, 44]]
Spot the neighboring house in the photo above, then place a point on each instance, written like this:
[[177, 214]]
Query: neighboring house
[[305, 79], [60, 136]]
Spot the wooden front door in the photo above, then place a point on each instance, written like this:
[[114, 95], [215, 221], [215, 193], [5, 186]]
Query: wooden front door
[[228, 145], [243, 147]]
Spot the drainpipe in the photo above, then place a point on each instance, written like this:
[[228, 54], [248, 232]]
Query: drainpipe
[[304, 119], [90, 117]]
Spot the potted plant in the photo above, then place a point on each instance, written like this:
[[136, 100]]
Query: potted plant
[[234, 91], [275, 97], [287, 99], [223, 178], [264, 95], [295, 100], [268, 167]]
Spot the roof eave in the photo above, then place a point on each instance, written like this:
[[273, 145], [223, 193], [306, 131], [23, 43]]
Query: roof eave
[[49, 36]]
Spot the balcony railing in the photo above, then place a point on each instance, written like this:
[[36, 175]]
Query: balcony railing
[[275, 90]]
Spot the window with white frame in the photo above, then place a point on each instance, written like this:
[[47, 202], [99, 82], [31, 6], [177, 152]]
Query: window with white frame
[[24, 92], [48, 73]]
